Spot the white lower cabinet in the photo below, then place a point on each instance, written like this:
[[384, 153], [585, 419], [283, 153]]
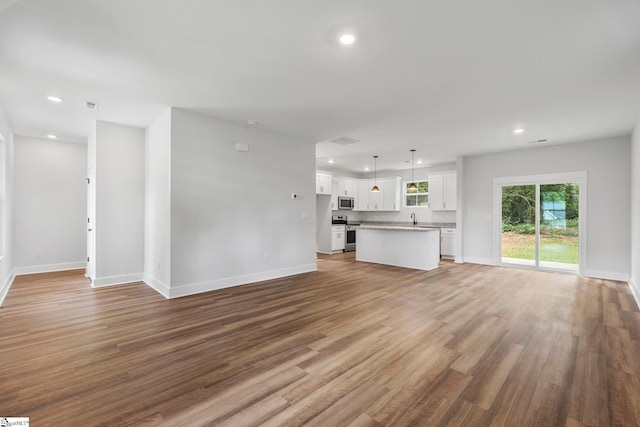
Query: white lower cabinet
[[337, 238]]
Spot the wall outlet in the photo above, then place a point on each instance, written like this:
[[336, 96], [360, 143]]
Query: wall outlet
[[294, 196], [39, 253], [265, 258], [304, 215]]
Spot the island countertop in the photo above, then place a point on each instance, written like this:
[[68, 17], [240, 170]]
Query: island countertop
[[397, 227], [405, 224]]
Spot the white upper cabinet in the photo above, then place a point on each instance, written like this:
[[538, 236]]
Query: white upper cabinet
[[323, 183], [362, 202], [387, 199], [334, 194], [376, 199], [343, 187], [392, 195], [347, 187], [442, 191], [450, 191]]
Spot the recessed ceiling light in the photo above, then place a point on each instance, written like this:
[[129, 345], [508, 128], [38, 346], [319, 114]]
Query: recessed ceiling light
[[330, 161], [347, 39], [519, 130], [366, 169], [419, 162], [52, 136], [54, 99]]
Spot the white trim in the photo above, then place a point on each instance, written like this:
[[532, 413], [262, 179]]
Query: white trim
[[460, 209], [579, 177], [50, 268], [116, 280], [156, 285], [227, 282], [635, 290], [6, 286], [475, 260], [606, 275]]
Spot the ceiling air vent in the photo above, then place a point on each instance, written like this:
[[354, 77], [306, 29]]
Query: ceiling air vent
[[91, 105], [345, 140]]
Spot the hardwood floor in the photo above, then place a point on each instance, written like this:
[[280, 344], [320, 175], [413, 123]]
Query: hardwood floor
[[353, 344]]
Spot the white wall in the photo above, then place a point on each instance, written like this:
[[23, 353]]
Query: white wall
[[232, 217], [608, 209], [157, 259], [6, 173], [635, 213], [119, 217], [49, 205]]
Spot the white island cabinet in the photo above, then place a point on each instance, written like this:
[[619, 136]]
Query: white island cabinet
[[411, 247]]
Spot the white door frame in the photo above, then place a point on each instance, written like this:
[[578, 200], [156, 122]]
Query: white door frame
[[553, 178], [91, 223]]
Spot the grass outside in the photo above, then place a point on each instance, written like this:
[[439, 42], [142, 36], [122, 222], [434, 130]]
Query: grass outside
[[563, 249]]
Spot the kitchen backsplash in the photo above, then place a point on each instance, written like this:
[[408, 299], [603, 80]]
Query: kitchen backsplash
[[422, 215]]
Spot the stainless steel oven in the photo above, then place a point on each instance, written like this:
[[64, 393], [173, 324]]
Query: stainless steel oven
[[350, 231], [350, 240]]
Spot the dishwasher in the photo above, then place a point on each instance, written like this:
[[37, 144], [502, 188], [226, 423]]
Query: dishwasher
[[448, 242]]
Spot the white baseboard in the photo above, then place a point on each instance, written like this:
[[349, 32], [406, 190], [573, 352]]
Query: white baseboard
[[606, 275], [227, 282], [6, 285], [100, 282], [635, 290], [49, 268], [157, 285], [483, 261]]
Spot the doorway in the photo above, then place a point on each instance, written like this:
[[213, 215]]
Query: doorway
[[541, 221]]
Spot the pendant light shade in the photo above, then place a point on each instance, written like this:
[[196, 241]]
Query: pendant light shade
[[375, 188], [412, 185]]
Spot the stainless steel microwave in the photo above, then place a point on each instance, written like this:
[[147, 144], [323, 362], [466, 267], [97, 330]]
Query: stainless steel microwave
[[346, 203]]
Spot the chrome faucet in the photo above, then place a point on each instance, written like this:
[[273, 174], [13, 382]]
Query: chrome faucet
[[413, 215]]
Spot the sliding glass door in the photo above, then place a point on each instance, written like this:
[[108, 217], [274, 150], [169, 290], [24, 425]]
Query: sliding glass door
[[518, 236], [559, 219], [540, 224]]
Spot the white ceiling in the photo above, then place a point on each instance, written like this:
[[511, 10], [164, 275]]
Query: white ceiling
[[447, 78]]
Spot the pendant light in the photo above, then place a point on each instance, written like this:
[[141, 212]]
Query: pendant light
[[412, 185], [375, 188]]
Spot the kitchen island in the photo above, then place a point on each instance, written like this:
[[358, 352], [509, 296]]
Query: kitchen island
[[403, 246]]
